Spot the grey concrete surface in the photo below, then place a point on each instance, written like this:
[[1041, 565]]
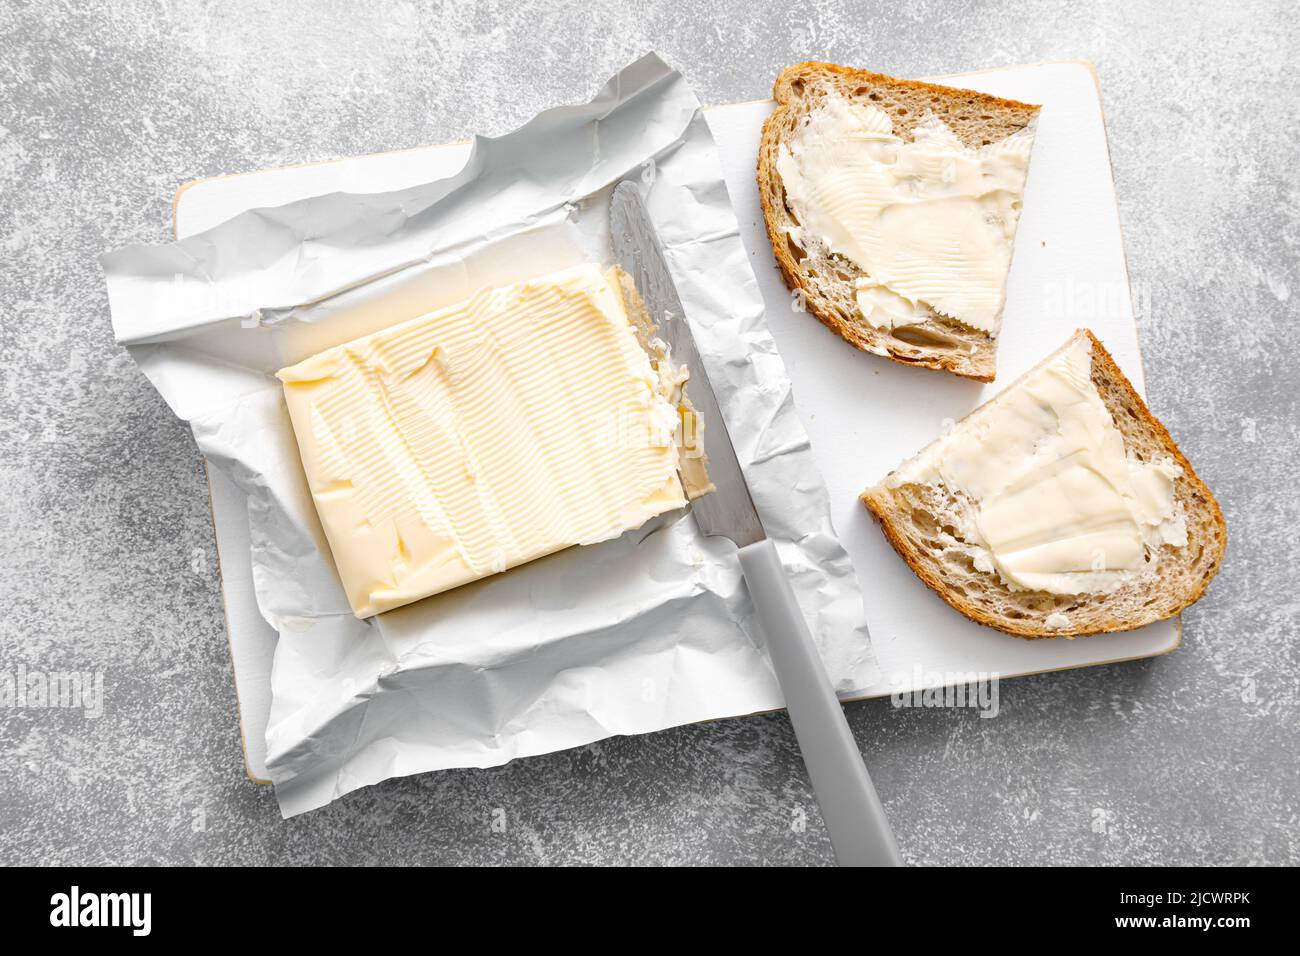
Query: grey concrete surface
[[107, 562]]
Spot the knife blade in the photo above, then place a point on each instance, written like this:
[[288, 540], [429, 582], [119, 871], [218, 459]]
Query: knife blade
[[729, 510], [851, 810]]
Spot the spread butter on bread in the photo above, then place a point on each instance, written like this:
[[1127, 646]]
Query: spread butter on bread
[[1061, 507], [892, 208]]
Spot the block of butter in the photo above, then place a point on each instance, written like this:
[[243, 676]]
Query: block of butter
[[483, 435]]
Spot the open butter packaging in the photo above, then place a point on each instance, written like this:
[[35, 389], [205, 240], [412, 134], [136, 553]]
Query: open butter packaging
[[635, 633], [652, 628]]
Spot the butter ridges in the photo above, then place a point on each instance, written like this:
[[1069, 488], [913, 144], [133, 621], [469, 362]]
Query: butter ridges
[[1043, 491], [928, 220], [481, 436]]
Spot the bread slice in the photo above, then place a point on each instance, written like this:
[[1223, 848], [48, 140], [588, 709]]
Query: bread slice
[[917, 520], [825, 278]]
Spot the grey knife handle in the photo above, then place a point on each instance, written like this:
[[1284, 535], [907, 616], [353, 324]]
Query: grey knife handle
[[855, 820]]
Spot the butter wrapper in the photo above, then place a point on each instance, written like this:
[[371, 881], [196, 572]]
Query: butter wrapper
[[647, 631]]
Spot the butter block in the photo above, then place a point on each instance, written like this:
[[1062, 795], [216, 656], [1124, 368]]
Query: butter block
[[483, 435]]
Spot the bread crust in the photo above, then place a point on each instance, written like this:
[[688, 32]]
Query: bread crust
[[980, 367], [1188, 488], [780, 86]]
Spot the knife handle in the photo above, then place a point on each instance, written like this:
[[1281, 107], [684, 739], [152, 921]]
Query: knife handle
[[855, 820]]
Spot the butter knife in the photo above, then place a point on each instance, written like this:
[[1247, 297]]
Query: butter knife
[[855, 820]]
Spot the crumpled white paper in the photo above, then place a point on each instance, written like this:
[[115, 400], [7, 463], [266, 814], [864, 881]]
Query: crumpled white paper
[[648, 631]]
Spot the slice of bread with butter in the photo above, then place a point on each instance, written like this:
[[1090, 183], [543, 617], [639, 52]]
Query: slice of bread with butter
[[1059, 508], [892, 207]]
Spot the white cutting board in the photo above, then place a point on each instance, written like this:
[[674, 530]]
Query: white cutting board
[[863, 414]]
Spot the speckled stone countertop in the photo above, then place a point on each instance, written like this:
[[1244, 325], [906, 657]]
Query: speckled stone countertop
[[107, 558]]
